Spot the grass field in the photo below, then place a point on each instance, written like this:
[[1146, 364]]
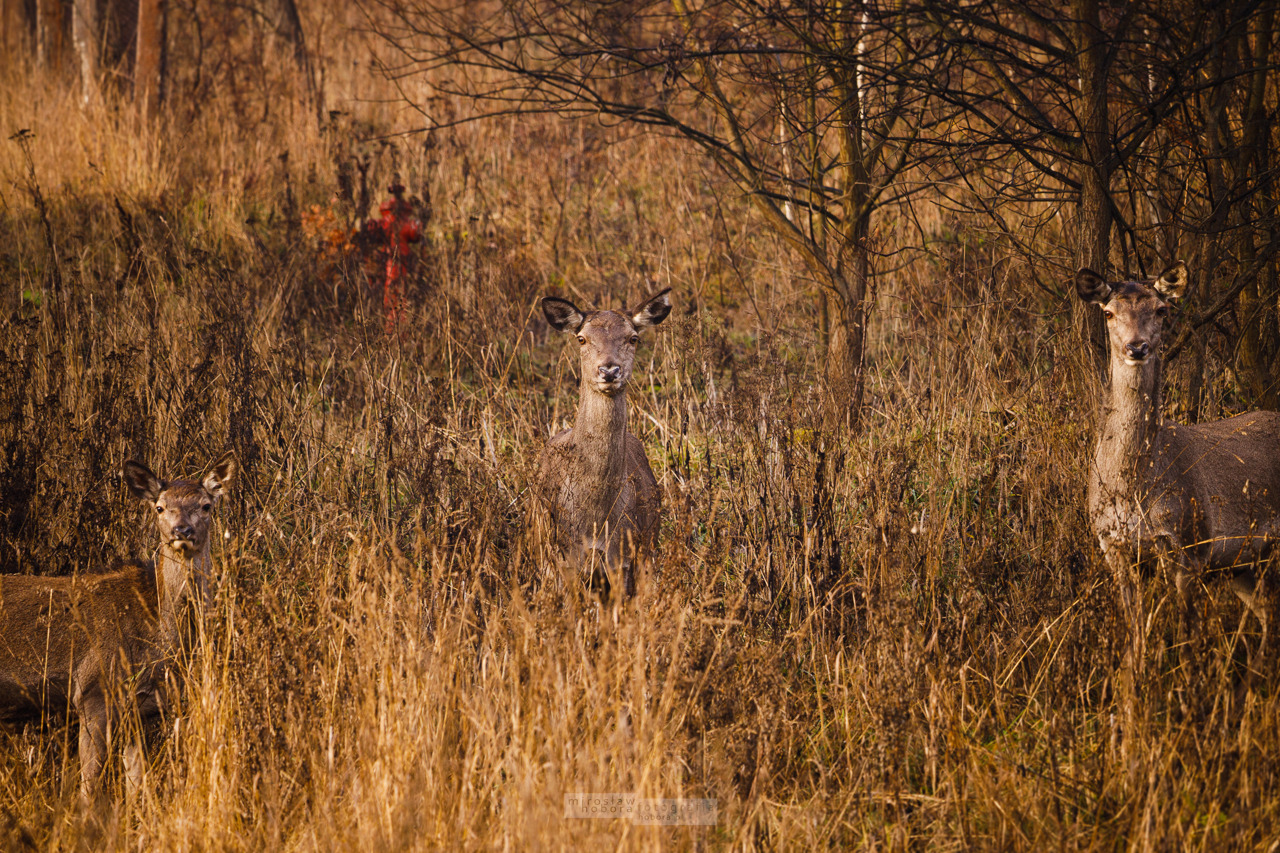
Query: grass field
[[900, 639]]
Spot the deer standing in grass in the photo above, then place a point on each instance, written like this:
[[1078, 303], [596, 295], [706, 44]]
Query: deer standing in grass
[[594, 478], [1197, 498], [101, 643]]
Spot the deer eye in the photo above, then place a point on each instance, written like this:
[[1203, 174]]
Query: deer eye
[[1162, 311], [582, 340], [206, 507], [1107, 314], [159, 508], [635, 339]]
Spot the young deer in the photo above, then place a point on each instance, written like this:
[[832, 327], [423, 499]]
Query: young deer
[[1197, 498], [594, 478], [97, 642]]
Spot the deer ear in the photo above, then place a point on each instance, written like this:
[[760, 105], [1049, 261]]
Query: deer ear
[[1172, 283], [141, 481], [220, 474], [653, 311], [1092, 287], [562, 314]]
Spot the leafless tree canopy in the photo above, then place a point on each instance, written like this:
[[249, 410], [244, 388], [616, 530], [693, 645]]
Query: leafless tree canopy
[[1146, 125]]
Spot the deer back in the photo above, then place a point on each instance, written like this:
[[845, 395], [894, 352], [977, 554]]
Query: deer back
[[58, 635]]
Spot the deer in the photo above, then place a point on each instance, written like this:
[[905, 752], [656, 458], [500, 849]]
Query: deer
[[100, 644], [1197, 499], [594, 478]]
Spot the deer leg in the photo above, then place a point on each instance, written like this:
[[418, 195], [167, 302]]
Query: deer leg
[[598, 573], [1125, 573], [1186, 581], [135, 766], [1255, 593], [94, 733], [628, 556], [1129, 677], [629, 577]]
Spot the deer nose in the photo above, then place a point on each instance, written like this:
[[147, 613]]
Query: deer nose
[[184, 531], [610, 372], [1138, 351]]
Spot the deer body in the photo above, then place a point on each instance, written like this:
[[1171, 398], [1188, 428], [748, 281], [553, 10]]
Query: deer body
[[98, 643], [1196, 498], [1174, 500], [594, 478]]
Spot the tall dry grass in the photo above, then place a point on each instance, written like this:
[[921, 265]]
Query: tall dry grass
[[902, 640]]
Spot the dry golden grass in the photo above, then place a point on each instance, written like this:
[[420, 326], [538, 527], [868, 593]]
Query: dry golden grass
[[905, 641]]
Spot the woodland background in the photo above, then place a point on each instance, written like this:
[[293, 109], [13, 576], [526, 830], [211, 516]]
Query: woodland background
[[878, 619]]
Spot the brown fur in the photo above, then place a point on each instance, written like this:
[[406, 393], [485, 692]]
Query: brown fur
[[1197, 498], [594, 479], [92, 642]]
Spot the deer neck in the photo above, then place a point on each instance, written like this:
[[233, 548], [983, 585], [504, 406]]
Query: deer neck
[[180, 579], [600, 434], [1130, 422]]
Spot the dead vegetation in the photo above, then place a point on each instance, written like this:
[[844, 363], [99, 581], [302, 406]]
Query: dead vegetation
[[907, 640]]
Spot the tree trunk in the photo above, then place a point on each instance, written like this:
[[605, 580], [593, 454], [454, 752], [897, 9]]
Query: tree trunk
[[844, 368], [1260, 338], [50, 28], [152, 55], [84, 36], [289, 28], [1093, 249], [1259, 351], [842, 406], [1195, 371], [1094, 219], [17, 26]]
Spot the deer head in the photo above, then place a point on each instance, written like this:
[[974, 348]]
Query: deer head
[[607, 339], [183, 509], [1136, 312]]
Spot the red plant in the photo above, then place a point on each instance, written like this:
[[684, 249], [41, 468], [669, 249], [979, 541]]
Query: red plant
[[395, 233]]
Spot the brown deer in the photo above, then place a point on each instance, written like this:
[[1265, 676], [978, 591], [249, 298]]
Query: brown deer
[[101, 643], [1196, 498], [594, 478]]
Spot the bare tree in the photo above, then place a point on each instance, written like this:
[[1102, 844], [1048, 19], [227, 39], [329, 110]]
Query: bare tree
[[1219, 189], [1151, 118], [1035, 82], [811, 111]]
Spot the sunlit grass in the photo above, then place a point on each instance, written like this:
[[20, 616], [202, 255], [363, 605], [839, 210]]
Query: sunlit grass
[[898, 639]]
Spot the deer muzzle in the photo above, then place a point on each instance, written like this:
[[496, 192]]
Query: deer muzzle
[[1137, 352], [183, 539]]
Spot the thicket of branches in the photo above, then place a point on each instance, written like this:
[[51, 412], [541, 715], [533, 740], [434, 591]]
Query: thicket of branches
[[1114, 136]]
